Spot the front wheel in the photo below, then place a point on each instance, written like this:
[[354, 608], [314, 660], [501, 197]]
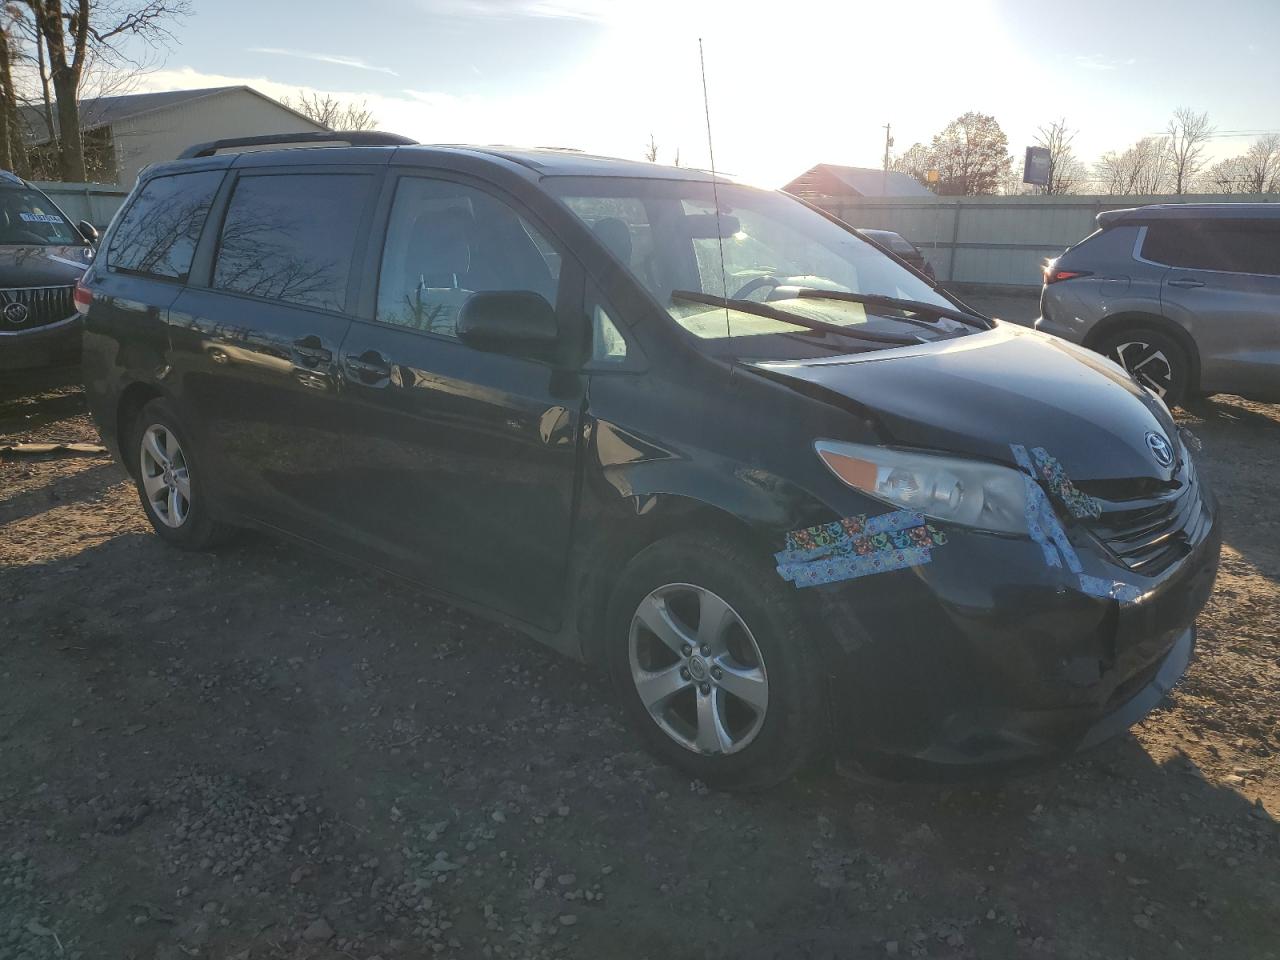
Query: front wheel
[[713, 665], [173, 493], [1153, 358]]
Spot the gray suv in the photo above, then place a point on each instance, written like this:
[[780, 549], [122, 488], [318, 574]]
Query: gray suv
[[1186, 297]]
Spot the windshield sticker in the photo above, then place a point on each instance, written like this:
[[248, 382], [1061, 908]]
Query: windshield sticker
[[40, 217], [1045, 530], [857, 546]]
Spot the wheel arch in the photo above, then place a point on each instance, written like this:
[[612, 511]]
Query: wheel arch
[[132, 399], [1133, 320], [601, 557]]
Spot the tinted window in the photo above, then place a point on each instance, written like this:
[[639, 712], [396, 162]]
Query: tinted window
[[28, 216], [291, 237], [445, 242], [157, 234], [1237, 246]]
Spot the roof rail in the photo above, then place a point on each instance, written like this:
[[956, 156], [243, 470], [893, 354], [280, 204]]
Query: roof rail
[[355, 138]]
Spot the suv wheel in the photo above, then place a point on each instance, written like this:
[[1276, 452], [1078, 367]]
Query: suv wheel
[[1154, 358], [714, 669], [169, 485]]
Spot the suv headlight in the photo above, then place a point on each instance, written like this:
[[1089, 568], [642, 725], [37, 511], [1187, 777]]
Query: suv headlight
[[968, 493]]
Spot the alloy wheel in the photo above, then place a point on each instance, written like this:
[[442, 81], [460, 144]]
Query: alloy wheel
[[697, 669], [165, 475], [1147, 363]]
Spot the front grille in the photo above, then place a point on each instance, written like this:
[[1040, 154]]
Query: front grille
[[29, 308], [1150, 534]]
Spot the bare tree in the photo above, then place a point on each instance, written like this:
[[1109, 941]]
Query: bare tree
[[1066, 173], [13, 153], [71, 32], [971, 155], [1189, 134], [1256, 171], [1143, 168], [651, 151], [331, 112]]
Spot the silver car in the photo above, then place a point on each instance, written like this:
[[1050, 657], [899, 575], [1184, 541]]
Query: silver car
[[1186, 297]]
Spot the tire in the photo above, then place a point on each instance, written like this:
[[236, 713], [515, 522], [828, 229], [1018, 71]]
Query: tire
[[1157, 360], [166, 473], [749, 711]]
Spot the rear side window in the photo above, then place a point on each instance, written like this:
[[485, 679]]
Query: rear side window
[[1234, 246], [157, 235], [291, 237]]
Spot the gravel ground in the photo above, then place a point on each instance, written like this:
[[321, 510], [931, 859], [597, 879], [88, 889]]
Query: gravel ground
[[265, 754]]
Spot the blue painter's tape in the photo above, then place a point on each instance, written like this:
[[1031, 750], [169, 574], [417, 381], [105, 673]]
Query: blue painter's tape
[[848, 567], [1032, 511], [817, 553], [884, 523], [1047, 531], [898, 520]]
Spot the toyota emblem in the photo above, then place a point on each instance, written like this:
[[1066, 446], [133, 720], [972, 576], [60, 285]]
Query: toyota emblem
[[15, 312], [1160, 449]]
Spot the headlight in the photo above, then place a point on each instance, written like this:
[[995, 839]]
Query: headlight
[[969, 493]]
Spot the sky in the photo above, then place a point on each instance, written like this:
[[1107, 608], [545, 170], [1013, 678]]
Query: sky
[[789, 84]]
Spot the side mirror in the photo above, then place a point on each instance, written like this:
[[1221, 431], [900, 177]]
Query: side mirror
[[88, 231], [517, 322]]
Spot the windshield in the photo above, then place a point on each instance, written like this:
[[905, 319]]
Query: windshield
[[29, 217], [665, 233]]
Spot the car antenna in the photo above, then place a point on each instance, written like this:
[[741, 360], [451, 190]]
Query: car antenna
[[715, 192]]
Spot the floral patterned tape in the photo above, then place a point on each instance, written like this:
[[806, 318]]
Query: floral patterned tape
[[847, 567], [1045, 530], [857, 546], [1078, 502]]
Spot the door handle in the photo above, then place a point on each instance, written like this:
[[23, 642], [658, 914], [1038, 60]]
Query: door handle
[[1186, 283], [311, 352], [370, 366]]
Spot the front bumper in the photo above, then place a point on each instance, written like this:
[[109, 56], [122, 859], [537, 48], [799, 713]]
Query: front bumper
[[41, 348], [985, 656]]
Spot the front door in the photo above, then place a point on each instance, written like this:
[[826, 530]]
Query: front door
[[461, 464]]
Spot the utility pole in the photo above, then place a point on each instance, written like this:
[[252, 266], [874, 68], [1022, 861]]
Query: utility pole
[[888, 142]]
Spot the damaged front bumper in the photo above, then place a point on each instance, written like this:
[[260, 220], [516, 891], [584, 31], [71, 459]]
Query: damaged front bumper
[[985, 656]]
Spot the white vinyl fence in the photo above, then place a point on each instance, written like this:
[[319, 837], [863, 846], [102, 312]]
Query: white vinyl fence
[[995, 241], [95, 202]]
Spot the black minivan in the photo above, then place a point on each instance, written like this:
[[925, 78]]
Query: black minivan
[[792, 496]]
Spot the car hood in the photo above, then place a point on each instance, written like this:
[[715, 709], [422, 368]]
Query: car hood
[[978, 394], [41, 266]]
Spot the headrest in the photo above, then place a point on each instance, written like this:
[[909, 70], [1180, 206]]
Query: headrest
[[440, 244]]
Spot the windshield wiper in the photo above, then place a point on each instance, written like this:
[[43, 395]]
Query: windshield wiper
[[897, 303], [772, 313]]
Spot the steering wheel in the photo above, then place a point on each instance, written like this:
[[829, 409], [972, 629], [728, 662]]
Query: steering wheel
[[751, 286]]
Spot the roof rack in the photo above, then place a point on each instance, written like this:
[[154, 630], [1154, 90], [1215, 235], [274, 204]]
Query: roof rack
[[354, 138]]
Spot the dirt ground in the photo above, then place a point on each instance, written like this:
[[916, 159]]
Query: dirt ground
[[266, 754]]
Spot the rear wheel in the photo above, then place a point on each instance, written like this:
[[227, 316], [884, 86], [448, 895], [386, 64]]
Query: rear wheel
[[1154, 358], [172, 491], [714, 668]]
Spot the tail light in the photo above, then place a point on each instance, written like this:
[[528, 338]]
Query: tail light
[[83, 296], [1053, 273]]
